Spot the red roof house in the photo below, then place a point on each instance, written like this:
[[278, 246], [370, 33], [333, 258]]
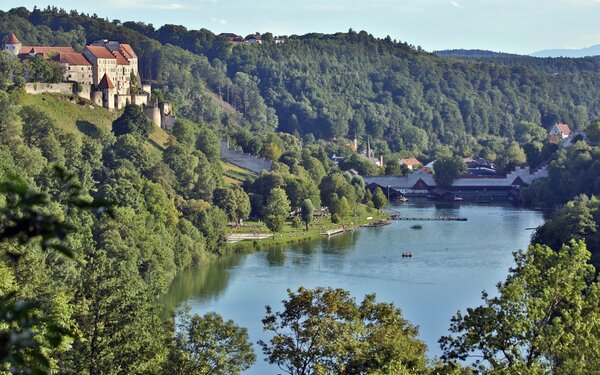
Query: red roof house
[[559, 132], [411, 163]]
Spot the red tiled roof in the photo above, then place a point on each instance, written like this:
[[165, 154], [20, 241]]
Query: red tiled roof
[[44, 50], [128, 51], [564, 128], [100, 52], [105, 83], [13, 39], [410, 161], [121, 60], [72, 59]]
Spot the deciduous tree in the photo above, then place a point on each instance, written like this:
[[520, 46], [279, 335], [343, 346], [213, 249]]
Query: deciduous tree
[[132, 121], [325, 331], [379, 199], [306, 212], [208, 344], [277, 209], [545, 318], [446, 169]]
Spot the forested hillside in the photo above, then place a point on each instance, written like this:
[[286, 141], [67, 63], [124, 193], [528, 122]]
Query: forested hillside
[[353, 84], [550, 65], [101, 297], [342, 85]]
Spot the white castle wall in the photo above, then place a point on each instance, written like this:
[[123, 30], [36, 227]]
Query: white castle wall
[[65, 88]]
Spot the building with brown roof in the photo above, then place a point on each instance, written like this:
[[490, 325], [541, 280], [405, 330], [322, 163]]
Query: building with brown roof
[[559, 132], [411, 163], [117, 60], [13, 45], [108, 92], [45, 52], [108, 69], [77, 67]]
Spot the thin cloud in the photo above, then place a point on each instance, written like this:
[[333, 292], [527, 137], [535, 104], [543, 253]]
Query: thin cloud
[[220, 21], [171, 6], [140, 4], [454, 4]]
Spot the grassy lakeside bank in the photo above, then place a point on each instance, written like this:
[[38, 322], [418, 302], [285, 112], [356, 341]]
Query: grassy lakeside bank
[[290, 235]]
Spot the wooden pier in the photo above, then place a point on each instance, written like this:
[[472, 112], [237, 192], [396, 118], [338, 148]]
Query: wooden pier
[[332, 232], [438, 218]]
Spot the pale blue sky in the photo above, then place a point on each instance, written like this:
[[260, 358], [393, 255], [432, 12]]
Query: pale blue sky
[[520, 26]]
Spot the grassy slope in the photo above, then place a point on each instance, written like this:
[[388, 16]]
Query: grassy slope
[[232, 174], [70, 117], [79, 117]]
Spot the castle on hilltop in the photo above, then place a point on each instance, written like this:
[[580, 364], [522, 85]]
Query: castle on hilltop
[[105, 72]]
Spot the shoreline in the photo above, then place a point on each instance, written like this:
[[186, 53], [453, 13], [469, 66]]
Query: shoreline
[[300, 235]]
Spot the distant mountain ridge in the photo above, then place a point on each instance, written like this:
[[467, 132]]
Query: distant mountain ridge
[[581, 52], [548, 65], [473, 53]]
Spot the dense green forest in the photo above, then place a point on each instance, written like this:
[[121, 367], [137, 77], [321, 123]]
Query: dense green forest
[[342, 85], [549, 65]]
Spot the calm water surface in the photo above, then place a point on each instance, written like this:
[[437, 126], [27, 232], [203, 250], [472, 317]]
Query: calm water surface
[[453, 262]]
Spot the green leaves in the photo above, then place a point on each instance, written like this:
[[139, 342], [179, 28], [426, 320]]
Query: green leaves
[[26, 215], [446, 169], [545, 318], [379, 199], [324, 331], [306, 212], [133, 121], [209, 345], [277, 210]]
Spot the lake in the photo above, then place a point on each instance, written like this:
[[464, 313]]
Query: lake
[[453, 262]]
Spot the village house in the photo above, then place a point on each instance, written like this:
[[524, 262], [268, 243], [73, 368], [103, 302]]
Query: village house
[[280, 39], [257, 38], [411, 163], [252, 39], [559, 132], [233, 38], [480, 167]]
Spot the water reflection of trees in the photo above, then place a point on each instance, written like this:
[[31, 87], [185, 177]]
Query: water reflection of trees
[[276, 256], [203, 282], [301, 252], [341, 243]]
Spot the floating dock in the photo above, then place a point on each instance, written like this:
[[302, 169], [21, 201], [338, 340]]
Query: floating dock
[[438, 218]]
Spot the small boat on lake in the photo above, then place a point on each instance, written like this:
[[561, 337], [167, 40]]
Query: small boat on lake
[[407, 255]]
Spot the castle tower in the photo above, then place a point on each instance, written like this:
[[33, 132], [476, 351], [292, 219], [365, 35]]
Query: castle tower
[[108, 92], [13, 45]]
